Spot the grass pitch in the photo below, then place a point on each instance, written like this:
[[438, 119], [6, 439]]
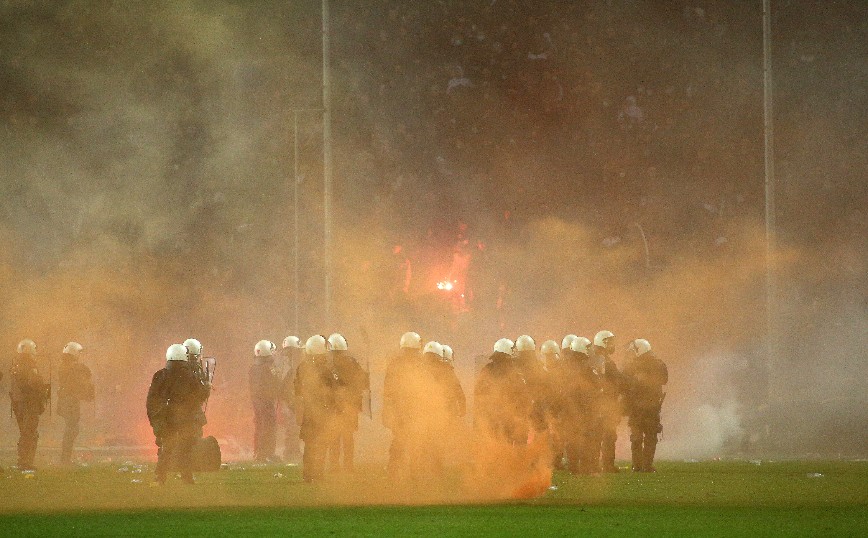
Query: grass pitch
[[683, 499]]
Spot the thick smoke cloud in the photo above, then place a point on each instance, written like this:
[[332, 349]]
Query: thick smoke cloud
[[601, 165]]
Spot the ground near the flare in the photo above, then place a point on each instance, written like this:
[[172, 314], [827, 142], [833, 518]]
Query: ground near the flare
[[759, 498]]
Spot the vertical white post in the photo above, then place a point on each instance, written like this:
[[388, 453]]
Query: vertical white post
[[327, 161], [771, 239], [295, 278]]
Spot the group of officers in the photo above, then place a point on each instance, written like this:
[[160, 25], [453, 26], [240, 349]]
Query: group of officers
[[30, 395], [323, 387], [573, 395]]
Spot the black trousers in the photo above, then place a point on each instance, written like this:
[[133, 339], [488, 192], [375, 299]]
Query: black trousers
[[176, 450], [72, 417], [344, 439], [264, 430], [28, 429], [644, 427]]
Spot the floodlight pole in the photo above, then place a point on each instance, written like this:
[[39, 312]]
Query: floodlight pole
[[773, 367], [327, 162], [295, 278], [295, 202]]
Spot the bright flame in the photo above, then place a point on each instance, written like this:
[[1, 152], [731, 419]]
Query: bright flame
[[446, 285]]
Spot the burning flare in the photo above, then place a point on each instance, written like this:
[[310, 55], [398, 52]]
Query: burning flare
[[446, 285]]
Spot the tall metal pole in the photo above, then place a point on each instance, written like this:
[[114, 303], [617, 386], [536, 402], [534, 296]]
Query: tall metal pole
[[296, 294], [771, 236], [327, 160]]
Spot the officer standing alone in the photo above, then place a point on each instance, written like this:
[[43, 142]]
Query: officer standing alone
[[74, 386], [645, 376], [174, 404]]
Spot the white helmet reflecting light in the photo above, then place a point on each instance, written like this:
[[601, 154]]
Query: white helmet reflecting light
[[604, 339], [581, 345], [194, 347], [411, 340], [504, 345], [639, 347], [316, 345], [433, 347], [337, 342], [525, 343], [27, 346], [264, 348], [549, 347], [72, 348], [291, 341], [176, 352], [568, 339]]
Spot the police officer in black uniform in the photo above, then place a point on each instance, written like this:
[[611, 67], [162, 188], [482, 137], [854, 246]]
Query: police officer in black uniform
[[316, 383], [291, 355], [399, 398], [265, 385], [611, 410], [174, 407], [29, 395], [74, 386], [502, 400], [645, 376], [353, 381]]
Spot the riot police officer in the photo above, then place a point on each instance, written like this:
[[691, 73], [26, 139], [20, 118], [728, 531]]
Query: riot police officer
[[316, 383], [645, 376], [291, 357], [194, 360], [502, 400], [611, 409], [264, 392], [29, 394], [353, 381], [174, 406], [74, 386], [399, 398]]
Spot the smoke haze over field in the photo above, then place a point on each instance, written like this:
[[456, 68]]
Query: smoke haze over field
[[574, 167]]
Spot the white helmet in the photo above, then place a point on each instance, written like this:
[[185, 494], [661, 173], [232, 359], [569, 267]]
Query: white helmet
[[411, 340], [72, 348], [337, 342], [525, 343], [316, 345], [291, 341], [194, 347], [176, 352], [549, 347], [640, 346], [581, 345], [27, 346], [604, 339], [434, 347], [504, 345], [447, 353], [568, 339], [264, 348]]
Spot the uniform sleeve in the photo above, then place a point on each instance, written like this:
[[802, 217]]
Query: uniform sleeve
[[153, 403]]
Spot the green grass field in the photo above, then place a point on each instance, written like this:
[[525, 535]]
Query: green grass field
[[686, 499]]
